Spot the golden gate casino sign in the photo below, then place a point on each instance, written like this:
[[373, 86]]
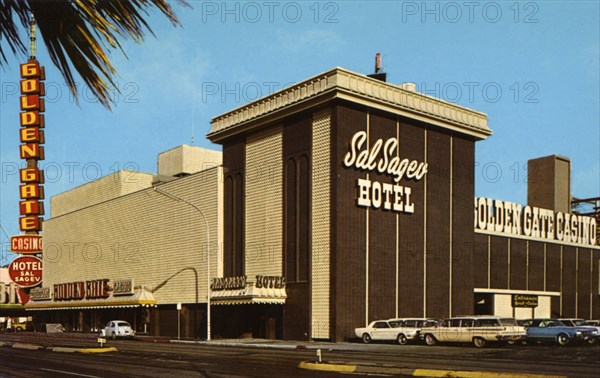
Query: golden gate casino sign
[[32, 136], [26, 270]]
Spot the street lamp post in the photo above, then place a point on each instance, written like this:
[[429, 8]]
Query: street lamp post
[[177, 198]]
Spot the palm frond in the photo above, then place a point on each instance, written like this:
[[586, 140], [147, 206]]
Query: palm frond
[[79, 34]]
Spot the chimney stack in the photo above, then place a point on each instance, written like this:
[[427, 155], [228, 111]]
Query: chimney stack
[[378, 75], [549, 183]]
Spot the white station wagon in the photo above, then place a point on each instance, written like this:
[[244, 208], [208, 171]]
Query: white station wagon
[[476, 329]]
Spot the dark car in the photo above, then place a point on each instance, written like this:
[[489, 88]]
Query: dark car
[[555, 331]]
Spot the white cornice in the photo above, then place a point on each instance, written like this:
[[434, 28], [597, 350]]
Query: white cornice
[[350, 86]]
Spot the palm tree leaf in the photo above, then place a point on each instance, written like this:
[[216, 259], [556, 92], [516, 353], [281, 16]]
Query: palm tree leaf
[[79, 34], [9, 30]]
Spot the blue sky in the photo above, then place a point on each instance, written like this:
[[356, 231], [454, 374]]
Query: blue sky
[[531, 66]]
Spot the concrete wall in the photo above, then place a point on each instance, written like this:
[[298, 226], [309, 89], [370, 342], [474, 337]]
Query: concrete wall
[[155, 240]]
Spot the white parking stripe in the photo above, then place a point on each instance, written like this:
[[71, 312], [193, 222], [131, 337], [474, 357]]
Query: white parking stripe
[[70, 373]]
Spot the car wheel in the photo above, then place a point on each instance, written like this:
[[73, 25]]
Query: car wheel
[[402, 340], [562, 339], [366, 338], [430, 340], [113, 336], [479, 342]]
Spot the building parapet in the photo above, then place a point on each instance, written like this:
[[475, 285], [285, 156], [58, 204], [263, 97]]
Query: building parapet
[[344, 84]]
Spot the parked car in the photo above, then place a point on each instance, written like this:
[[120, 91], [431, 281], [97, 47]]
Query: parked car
[[575, 322], [555, 331], [21, 326], [117, 329], [409, 329], [378, 330], [476, 329]]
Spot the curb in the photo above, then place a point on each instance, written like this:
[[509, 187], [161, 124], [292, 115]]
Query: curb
[[98, 350], [62, 349], [27, 346], [82, 350], [347, 368], [58, 349], [236, 344]]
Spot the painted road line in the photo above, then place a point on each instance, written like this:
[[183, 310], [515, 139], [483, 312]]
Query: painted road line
[[327, 367], [98, 350], [343, 368], [69, 373], [478, 374]]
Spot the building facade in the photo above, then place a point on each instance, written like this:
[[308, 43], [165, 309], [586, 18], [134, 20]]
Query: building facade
[[339, 200], [134, 246]]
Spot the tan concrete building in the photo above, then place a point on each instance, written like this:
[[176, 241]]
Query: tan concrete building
[[147, 246]]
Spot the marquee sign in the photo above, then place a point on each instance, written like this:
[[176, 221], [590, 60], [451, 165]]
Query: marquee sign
[[524, 301], [31, 150], [241, 282], [122, 287], [382, 158], [26, 244], [83, 290], [40, 294], [228, 283], [26, 271], [93, 289], [509, 218]]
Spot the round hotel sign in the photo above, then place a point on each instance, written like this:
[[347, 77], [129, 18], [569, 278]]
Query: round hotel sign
[[26, 271]]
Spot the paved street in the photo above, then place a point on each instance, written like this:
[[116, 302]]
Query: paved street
[[259, 358]]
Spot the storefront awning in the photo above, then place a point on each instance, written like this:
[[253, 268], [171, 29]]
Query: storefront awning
[[140, 298]]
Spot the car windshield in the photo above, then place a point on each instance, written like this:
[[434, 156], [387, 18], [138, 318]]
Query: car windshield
[[430, 323], [396, 323], [122, 324], [552, 323], [579, 322], [508, 322]]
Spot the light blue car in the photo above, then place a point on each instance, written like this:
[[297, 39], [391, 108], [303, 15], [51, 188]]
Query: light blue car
[[554, 331]]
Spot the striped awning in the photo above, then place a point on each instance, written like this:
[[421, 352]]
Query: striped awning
[[140, 298], [249, 295]]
